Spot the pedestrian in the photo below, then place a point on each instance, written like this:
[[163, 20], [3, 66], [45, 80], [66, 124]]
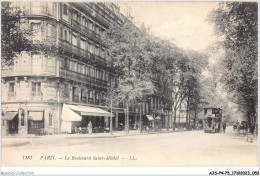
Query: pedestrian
[[147, 129], [224, 125], [90, 128]]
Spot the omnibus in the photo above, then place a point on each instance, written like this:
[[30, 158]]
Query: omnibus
[[212, 120]]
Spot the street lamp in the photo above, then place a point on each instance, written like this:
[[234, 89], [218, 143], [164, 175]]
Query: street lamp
[[111, 105]]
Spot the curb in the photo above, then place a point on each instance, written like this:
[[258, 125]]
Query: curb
[[82, 137]]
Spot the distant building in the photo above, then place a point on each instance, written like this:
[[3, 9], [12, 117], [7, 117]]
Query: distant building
[[63, 87]]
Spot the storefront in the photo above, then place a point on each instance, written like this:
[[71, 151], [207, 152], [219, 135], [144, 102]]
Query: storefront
[[35, 122], [10, 120], [76, 116]]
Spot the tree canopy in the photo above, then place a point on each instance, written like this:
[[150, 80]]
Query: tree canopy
[[236, 25], [14, 38]]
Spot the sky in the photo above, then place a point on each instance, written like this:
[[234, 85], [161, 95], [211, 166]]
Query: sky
[[183, 23]]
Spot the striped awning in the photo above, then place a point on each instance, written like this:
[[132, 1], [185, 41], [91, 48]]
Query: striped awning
[[90, 111]]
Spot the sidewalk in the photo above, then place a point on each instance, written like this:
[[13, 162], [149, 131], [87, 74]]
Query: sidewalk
[[14, 141]]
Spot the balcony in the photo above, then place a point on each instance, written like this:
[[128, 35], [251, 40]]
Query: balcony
[[75, 24], [65, 45], [102, 20], [91, 34], [75, 49], [68, 74], [28, 70], [99, 59]]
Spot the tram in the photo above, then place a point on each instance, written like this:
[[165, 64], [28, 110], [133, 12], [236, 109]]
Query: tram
[[212, 120]]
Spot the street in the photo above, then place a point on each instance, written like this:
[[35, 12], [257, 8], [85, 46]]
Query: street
[[187, 148]]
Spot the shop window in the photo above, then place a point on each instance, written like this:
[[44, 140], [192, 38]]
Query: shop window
[[50, 119], [91, 94]]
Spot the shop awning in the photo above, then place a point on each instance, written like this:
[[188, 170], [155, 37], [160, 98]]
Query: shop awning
[[89, 111], [150, 117], [35, 115], [158, 118], [69, 115], [9, 115]]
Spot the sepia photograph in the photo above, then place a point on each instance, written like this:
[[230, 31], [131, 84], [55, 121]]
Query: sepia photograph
[[129, 83]]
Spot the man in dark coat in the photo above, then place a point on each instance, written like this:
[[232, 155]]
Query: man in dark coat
[[224, 125]]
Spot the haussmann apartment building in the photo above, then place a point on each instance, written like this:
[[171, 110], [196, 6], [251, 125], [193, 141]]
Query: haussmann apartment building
[[62, 88]]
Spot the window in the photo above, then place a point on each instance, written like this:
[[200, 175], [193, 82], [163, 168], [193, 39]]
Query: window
[[97, 73], [90, 94], [97, 95], [97, 50], [83, 44], [11, 89], [83, 95], [83, 69], [87, 70], [105, 77], [79, 68], [65, 9], [73, 66], [66, 35], [3, 123], [36, 30], [90, 48], [90, 25], [66, 90], [36, 89], [35, 27], [102, 53], [74, 94], [101, 74], [78, 18], [50, 119], [74, 40]]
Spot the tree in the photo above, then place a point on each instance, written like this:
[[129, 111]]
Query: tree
[[236, 24], [128, 56], [14, 37]]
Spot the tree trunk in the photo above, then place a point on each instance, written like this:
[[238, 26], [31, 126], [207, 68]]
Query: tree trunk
[[140, 126], [127, 117], [174, 117], [187, 113]]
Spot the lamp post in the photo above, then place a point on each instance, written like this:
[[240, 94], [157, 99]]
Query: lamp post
[[111, 106]]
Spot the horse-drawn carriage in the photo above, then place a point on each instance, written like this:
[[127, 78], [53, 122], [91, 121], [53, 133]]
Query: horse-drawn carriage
[[243, 126]]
